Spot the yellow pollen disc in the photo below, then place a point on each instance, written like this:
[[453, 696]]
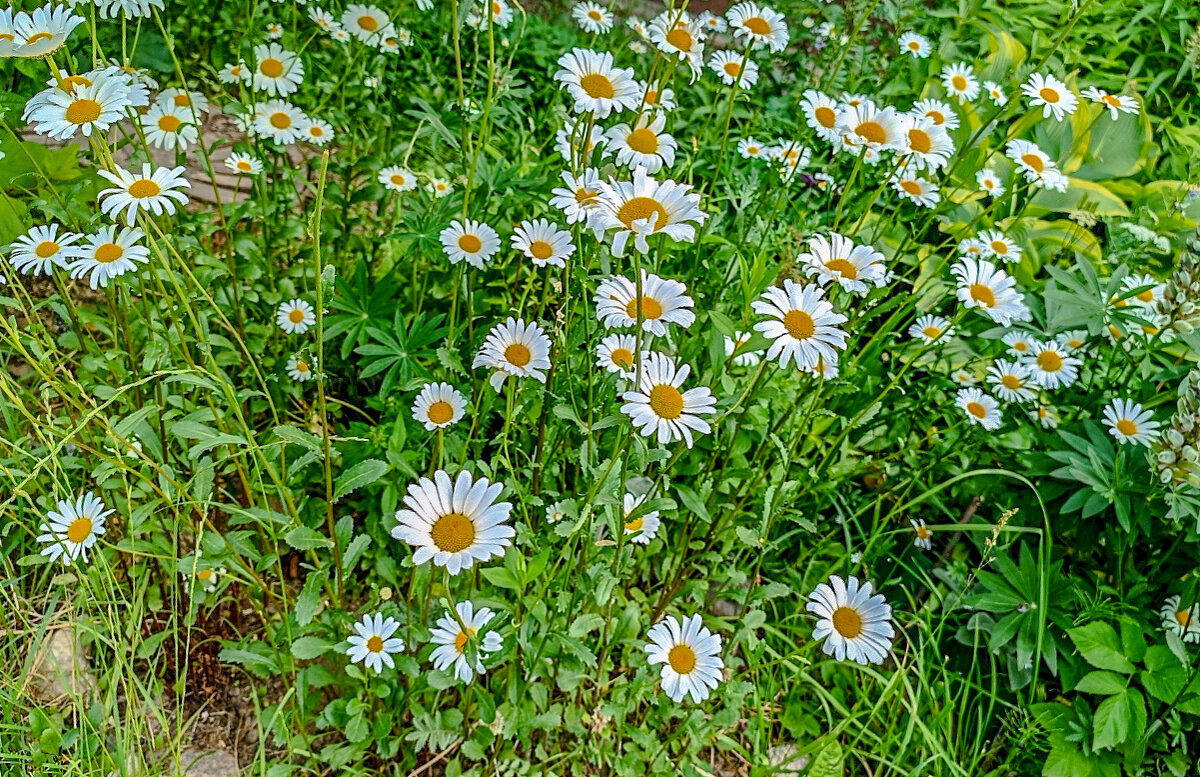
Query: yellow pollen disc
[[182, 100], [441, 412], [1034, 161], [757, 25], [280, 120], [83, 111], [375, 643], [302, 367], [622, 357], [643, 140], [652, 309], [453, 532], [1049, 95], [1146, 296], [1000, 247], [825, 116], [682, 659], [666, 401], [871, 130], [244, 166], [651, 97], [977, 409], [368, 23], [923, 533], [938, 117], [496, 8], [143, 188], [169, 123], [959, 82], [1127, 427], [847, 622], [733, 69], [982, 294], [296, 316], [594, 15], [1020, 346], [634, 525], [517, 355], [799, 324], [912, 187], [932, 332], [988, 183], [1010, 382], [681, 39], [271, 67], [399, 180], [752, 150], [1115, 332], [1183, 617], [79, 530], [1113, 102], [204, 574], [108, 253], [639, 208], [470, 243], [597, 86], [38, 36], [585, 196], [47, 249], [1049, 361], [919, 140], [460, 642], [914, 45], [541, 249], [70, 83], [843, 266]]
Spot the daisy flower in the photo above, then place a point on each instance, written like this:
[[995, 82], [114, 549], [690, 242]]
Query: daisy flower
[[365, 22], [972, 247], [40, 32], [734, 68], [989, 183], [1000, 246], [372, 643], [474, 242], [663, 301], [644, 527], [1012, 381], [452, 640], [543, 242], [180, 98], [323, 19], [571, 143], [750, 148], [1033, 162], [1073, 339], [295, 316], [690, 656], [592, 17], [1115, 103], [596, 85], [803, 326], [980, 408], [168, 127], [923, 144], [1129, 422], [982, 285], [1019, 342], [316, 131], [930, 328], [205, 577], [1051, 365], [109, 254], [154, 192], [579, 196], [924, 538], [644, 207], [454, 523], [243, 164], [397, 179], [1183, 622], [234, 74], [940, 113], [279, 121], [1150, 289], [915, 44], [440, 187], [792, 156], [274, 31], [438, 405], [659, 407], [839, 259], [821, 112], [1051, 94], [960, 82], [912, 187], [962, 378], [87, 108], [638, 47], [645, 144], [656, 99], [277, 71], [43, 248], [515, 349], [855, 624], [71, 530], [501, 16], [743, 358], [710, 22], [867, 127], [995, 92], [300, 368], [676, 34], [615, 354], [1046, 416], [758, 26]]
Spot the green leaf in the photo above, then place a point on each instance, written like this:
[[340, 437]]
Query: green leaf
[[830, 762], [299, 437], [1106, 683], [1133, 639], [585, 624], [499, 576], [304, 538], [361, 474], [1164, 676], [353, 551], [309, 599], [357, 729], [307, 648], [1099, 645], [1118, 719]]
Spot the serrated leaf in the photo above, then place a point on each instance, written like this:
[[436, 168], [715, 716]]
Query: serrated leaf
[[585, 624], [299, 437], [361, 474], [305, 538], [1099, 645]]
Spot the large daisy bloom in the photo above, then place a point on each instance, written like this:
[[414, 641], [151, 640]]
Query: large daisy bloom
[[733, 68], [663, 301], [109, 254], [279, 120], [924, 145], [644, 527], [243, 164], [372, 643], [1051, 364], [980, 408], [982, 285], [1183, 622], [154, 192], [1051, 94], [168, 127], [71, 530], [452, 641], [915, 44], [644, 207], [916, 188], [515, 349], [758, 25], [592, 17], [295, 316], [438, 405], [855, 624], [277, 71], [643, 144], [43, 248], [365, 22], [940, 113], [579, 196], [543, 242], [690, 656], [454, 523], [960, 81], [1149, 289], [839, 259], [40, 32], [821, 112], [676, 34], [596, 84], [86, 108], [868, 128], [930, 329], [1129, 422], [802, 325], [473, 242], [1115, 103], [1012, 381], [660, 408]]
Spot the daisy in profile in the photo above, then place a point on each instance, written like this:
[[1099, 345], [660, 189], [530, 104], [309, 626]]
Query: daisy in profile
[[916, 188], [867, 128], [277, 71], [515, 349], [644, 527], [677, 35], [663, 301], [1183, 622], [1129, 422], [1051, 364], [643, 144], [960, 81], [1046, 416], [279, 121], [930, 329], [821, 112], [792, 157], [690, 656], [615, 354], [661, 409], [43, 248], [109, 254], [439, 405], [758, 26], [130, 9], [185, 100], [803, 327], [638, 26], [316, 131], [940, 113], [1000, 246], [295, 316], [86, 108], [501, 15], [234, 74], [923, 144], [165, 126], [733, 69], [40, 32], [154, 192], [71, 530], [855, 624], [982, 285], [1012, 381], [576, 142], [924, 537], [915, 44], [543, 242], [749, 148], [989, 183], [243, 164], [596, 85], [454, 523], [644, 207], [1051, 95], [453, 640], [837, 258], [365, 22], [1074, 339], [1018, 342], [710, 22], [473, 242], [1116, 104], [963, 378], [1036, 166], [972, 247], [592, 17], [578, 196], [980, 408], [741, 355], [372, 643], [300, 368], [397, 179]]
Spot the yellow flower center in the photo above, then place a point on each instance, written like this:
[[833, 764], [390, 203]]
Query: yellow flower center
[[1049, 361], [204, 574], [108, 253], [873, 131], [912, 187], [585, 196], [1112, 102], [169, 123], [441, 412], [143, 188], [977, 409], [635, 524], [666, 401], [757, 25], [541, 249], [79, 530], [959, 82], [47, 249], [938, 117], [651, 308], [182, 100], [733, 69], [1000, 247], [932, 332], [843, 266], [799, 324], [681, 39], [1049, 95], [296, 316], [597, 86], [368, 23], [70, 83], [453, 532], [281, 120], [825, 116], [244, 166], [1010, 382], [1127, 427], [517, 355], [595, 15], [641, 208], [271, 67], [83, 111], [302, 367], [1034, 161], [460, 642], [375, 643], [1183, 617], [1146, 296], [919, 140], [847, 622], [914, 45], [923, 533], [982, 294], [643, 140], [400, 180], [470, 243]]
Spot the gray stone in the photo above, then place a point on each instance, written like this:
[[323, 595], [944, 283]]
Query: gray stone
[[214, 763], [60, 668]]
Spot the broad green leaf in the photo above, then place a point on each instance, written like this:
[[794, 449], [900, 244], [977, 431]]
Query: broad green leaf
[[304, 538], [1099, 645], [361, 474], [1102, 682], [307, 648]]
